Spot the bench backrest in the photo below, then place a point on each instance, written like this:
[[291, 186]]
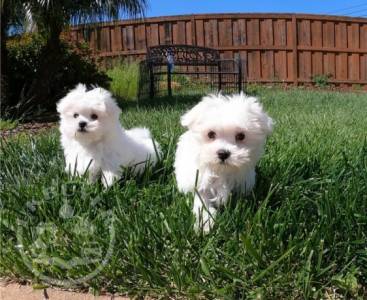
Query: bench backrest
[[184, 55]]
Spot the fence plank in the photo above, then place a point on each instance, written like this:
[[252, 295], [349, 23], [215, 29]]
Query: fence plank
[[199, 25], [316, 41], [293, 29], [266, 32], [341, 41], [211, 33], [363, 40], [188, 28], [280, 33], [225, 32], [353, 42], [329, 41], [254, 65], [304, 39], [116, 44], [139, 34], [239, 32]]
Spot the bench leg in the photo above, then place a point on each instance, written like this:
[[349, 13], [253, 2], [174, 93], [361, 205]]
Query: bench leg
[[151, 83], [169, 87]]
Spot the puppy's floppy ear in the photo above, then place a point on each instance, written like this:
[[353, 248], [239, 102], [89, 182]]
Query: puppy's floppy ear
[[264, 122], [107, 103], [65, 103], [193, 116]]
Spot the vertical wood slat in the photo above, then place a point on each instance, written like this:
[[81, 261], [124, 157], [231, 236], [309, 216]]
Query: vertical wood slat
[[316, 41], [211, 33], [289, 33], [199, 34], [154, 35], [116, 43], [225, 32], [189, 33], [329, 41], [363, 45], [267, 57], [165, 33], [139, 37], [193, 30], [239, 32], [254, 57], [179, 33], [353, 42], [304, 57], [295, 50], [311, 45], [341, 41], [128, 38]]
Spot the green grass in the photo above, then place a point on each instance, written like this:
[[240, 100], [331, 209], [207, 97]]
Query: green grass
[[124, 80], [300, 235], [7, 124]]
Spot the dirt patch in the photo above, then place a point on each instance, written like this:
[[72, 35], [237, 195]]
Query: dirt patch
[[27, 128], [15, 291]]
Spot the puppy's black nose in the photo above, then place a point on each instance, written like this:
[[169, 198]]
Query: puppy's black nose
[[223, 154], [82, 124]]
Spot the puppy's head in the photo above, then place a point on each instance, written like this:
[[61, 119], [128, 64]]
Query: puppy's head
[[231, 131], [87, 116]]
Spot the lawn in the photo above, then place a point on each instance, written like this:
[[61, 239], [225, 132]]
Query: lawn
[[301, 234]]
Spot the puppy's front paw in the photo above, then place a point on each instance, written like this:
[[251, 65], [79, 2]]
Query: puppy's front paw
[[108, 178], [204, 223], [204, 216]]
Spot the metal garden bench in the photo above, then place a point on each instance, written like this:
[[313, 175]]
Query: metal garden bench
[[199, 65]]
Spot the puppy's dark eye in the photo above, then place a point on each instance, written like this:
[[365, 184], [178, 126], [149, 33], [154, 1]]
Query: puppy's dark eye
[[240, 136], [211, 135], [94, 116], [76, 115]]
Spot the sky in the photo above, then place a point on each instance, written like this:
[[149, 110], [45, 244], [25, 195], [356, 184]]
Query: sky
[[355, 8]]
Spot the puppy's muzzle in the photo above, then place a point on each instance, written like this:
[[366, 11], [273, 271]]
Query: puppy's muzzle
[[82, 126], [223, 154]]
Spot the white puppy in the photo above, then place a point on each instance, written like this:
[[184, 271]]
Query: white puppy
[[218, 153], [94, 140]]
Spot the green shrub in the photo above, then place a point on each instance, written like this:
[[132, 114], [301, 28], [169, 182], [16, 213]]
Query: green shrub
[[125, 80], [321, 80], [24, 58]]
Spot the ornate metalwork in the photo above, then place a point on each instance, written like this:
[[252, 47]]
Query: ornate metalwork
[[184, 55]]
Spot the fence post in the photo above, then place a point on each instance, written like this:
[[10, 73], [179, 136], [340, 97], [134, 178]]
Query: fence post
[[295, 50]]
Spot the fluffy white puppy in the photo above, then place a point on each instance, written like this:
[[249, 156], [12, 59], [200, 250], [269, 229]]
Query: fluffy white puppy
[[94, 140], [218, 153]]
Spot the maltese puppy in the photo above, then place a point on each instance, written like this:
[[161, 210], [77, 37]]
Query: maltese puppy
[[218, 153], [94, 140]]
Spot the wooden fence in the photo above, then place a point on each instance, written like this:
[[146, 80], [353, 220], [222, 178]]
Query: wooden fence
[[287, 48]]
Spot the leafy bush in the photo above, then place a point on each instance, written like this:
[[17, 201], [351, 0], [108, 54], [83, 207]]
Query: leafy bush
[[24, 58]]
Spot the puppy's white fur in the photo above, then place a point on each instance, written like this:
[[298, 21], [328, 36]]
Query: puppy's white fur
[[103, 147], [197, 151]]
